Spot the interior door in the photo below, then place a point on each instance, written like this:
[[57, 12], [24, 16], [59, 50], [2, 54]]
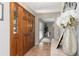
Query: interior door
[[22, 33], [14, 31], [16, 42], [31, 29], [25, 31]]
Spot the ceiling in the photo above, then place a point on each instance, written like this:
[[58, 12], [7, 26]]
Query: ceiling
[[46, 10], [49, 17], [45, 7]]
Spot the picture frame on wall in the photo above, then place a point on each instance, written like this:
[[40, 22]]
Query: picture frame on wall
[[1, 11]]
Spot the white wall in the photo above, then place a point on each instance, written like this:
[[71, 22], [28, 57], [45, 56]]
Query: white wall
[[5, 31], [56, 32], [41, 29], [77, 29]]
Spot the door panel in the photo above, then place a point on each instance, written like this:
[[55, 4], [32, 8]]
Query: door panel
[[14, 36], [24, 32]]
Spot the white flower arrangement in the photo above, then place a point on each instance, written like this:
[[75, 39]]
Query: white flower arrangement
[[67, 18]]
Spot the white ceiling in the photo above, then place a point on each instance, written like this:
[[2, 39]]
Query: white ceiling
[[49, 17], [46, 10], [45, 7]]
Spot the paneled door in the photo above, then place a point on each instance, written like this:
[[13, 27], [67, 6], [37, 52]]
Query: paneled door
[[25, 31], [22, 30], [14, 28]]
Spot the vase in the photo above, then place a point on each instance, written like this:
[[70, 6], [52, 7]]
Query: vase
[[69, 41]]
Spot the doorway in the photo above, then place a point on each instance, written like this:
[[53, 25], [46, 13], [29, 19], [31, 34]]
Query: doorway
[[46, 31]]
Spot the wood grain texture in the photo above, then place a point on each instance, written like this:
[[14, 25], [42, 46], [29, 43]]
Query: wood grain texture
[[24, 38]]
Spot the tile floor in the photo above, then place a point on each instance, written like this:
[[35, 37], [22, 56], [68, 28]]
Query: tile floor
[[45, 49]]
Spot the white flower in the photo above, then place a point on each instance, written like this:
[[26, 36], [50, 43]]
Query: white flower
[[65, 17]]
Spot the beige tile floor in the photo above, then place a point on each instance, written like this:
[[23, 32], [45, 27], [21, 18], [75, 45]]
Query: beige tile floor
[[45, 49]]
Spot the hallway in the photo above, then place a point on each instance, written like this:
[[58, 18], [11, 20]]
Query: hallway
[[45, 49], [35, 29]]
